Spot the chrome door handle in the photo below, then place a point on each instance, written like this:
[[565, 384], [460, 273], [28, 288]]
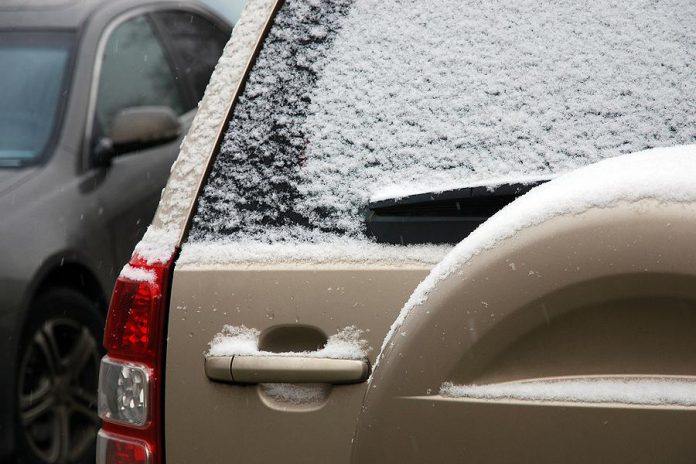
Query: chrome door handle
[[285, 369]]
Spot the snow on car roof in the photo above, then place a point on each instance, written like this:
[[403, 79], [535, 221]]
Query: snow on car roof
[[351, 99]]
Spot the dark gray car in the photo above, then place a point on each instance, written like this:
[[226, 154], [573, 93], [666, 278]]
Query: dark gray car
[[95, 97]]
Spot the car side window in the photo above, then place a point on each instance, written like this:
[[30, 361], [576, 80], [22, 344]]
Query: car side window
[[135, 72], [197, 44]]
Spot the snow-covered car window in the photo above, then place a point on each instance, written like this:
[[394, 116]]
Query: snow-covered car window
[[353, 99]]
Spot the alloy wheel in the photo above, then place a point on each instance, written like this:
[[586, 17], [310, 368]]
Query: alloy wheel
[[58, 378]]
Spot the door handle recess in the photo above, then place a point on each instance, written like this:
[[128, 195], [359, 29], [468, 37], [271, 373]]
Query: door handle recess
[[285, 369]]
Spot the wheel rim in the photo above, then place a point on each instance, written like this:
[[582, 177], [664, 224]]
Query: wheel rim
[[58, 378]]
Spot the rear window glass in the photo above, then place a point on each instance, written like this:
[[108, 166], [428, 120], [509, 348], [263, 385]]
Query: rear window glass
[[357, 99]]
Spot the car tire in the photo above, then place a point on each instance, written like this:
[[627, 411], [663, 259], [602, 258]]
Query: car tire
[[57, 374]]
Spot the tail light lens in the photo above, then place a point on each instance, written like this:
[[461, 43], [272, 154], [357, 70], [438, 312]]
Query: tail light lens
[[130, 403], [132, 325], [130, 378], [121, 450]]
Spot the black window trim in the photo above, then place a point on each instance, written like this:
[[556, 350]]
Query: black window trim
[[445, 217], [166, 39], [185, 87]]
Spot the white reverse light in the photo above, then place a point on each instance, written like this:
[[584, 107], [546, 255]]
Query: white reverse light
[[123, 392]]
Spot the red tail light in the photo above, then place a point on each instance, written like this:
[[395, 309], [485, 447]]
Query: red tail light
[[130, 384], [116, 450], [136, 307]]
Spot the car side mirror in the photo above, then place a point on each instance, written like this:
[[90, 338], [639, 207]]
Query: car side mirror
[[137, 128]]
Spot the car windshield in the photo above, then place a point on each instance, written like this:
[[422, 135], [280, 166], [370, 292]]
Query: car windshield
[[353, 100], [32, 87]]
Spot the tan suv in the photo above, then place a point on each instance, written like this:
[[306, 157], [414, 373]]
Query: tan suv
[[401, 232]]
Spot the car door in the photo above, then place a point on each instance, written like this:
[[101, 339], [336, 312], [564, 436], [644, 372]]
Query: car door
[[295, 308]]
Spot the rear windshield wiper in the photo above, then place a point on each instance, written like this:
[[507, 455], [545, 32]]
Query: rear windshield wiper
[[444, 217]]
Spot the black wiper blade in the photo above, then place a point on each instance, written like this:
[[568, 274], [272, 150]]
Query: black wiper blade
[[442, 217]]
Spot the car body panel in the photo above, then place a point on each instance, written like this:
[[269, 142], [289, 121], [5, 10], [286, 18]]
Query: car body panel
[[607, 293], [200, 414], [68, 14]]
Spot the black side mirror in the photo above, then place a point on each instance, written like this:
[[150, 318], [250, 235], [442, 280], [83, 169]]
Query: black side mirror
[[137, 128]]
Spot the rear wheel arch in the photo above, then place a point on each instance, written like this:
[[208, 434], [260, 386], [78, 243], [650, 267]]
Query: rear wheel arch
[[61, 271], [72, 274], [473, 326]]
